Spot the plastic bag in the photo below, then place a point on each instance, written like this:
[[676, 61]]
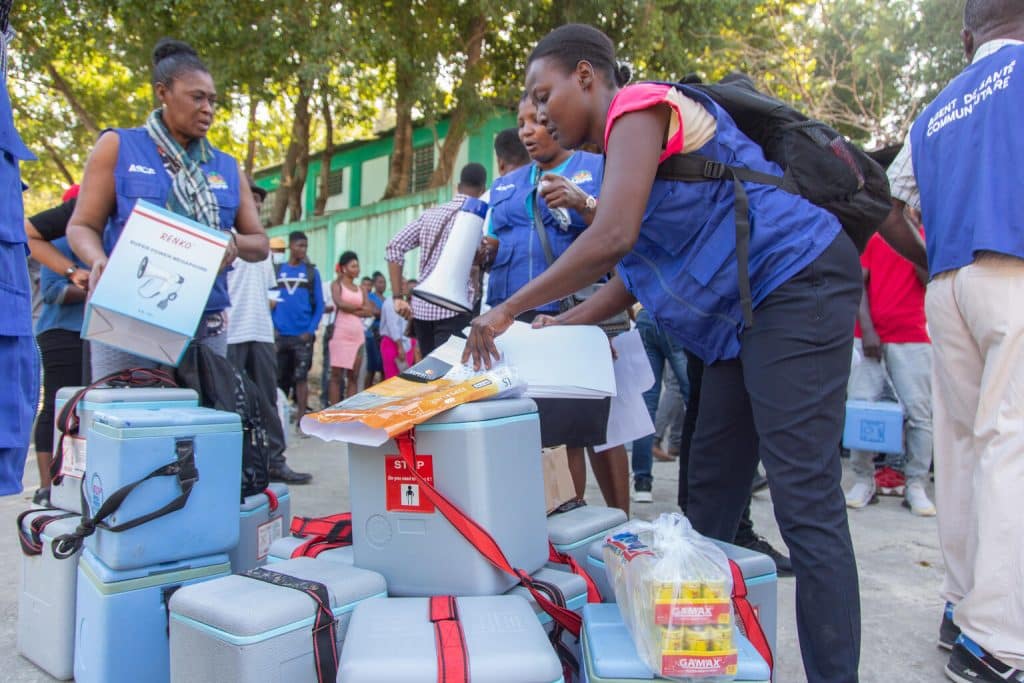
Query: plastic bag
[[674, 589]]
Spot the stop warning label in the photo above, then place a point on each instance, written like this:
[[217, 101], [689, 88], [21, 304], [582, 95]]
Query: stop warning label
[[403, 492]]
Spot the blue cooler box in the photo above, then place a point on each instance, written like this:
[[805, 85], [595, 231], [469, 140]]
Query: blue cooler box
[[874, 426], [122, 617], [127, 445], [259, 526], [67, 495], [610, 656], [758, 573]]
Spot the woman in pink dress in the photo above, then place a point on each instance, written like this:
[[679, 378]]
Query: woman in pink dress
[[347, 342]]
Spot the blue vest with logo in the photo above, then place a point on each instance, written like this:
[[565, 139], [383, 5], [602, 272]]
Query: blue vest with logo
[[520, 257], [969, 163], [683, 266], [140, 174], [14, 279]]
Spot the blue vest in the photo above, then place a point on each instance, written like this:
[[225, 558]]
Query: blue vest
[[520, 257], [969, 163], [683, 266], [140, 174], [14, 279]]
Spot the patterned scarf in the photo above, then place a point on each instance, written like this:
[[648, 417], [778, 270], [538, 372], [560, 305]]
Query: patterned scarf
[[190, 192]]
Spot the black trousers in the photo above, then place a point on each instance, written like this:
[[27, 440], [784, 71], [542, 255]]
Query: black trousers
[[62, 354], [433, 333], [782, 401], [259, 361]]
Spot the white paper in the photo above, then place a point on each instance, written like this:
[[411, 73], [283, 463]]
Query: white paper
[[628, 418]]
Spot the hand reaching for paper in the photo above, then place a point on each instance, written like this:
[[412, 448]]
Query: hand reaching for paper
[[483, 330]]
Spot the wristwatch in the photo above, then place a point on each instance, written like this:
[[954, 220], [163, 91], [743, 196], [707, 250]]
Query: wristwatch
[[591, 203], [70, 270]]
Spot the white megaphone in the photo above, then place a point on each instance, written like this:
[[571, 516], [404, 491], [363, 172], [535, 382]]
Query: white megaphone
[[157, 282], [447, 284]]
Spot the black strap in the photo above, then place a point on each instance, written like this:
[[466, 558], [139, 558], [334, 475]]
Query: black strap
[[570, 665], [325, 626], [31, 543], [567, 506], [183, 467], [697, 168]]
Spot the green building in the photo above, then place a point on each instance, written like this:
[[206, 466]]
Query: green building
[[355, 217]]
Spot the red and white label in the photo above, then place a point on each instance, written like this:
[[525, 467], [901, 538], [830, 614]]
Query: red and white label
[[73, 460], [691, 613], [694, 665], [403, 492]]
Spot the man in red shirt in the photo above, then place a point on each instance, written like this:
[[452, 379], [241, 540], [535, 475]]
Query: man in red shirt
[[893, 338]]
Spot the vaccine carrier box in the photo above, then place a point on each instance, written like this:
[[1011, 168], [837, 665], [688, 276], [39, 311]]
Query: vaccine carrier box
[[573, 588], [155, 285], [127, 445], [485, 458], [758, 573], [282, 549], [242, 629], [122, 617], [67, 495], [393, 640], [875, 426], [46, 601], [262, 520], [574, 531], [610, 656]]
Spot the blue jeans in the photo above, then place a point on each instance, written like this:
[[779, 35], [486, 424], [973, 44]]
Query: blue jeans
[[659, 349]]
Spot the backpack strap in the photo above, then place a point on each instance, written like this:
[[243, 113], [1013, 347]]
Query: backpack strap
[[325, 625], [556, 557], [29, 538], [311, 279], [747, 616], [449, 639], [690, 168], [480, 539], [183, 468]]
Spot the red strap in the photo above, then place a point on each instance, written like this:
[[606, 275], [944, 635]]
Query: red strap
[[332, 526], [593, 593], [314, 546], [481, 540], [748, 617], [452, 661], [271, 498]]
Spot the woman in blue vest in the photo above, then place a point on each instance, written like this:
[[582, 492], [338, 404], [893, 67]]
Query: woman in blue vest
[[170, 163], [515, 206], [775, 388]]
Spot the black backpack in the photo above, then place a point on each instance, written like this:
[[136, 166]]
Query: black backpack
[[223, 387], [820, 165]]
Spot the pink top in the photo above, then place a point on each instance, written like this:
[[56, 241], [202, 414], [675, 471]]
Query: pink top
[[644, 96]]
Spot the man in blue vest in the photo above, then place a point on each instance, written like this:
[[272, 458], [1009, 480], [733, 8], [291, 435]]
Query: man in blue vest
[[19, 362], [963, 166]]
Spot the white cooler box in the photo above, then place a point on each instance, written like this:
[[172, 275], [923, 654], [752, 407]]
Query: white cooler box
[[574, 531], [485, 458], [758, 573], [393, 640], [243, 629], [127, 445], [282, 548], [260, 524], [46, 600], [67, 494], [121, 634]]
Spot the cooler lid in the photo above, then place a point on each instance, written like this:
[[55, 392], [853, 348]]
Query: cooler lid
[[109, 581], [613, 655], [479, 411], [55, 528], [258, 500], [752, 563], [96, 398], [393, 640], [578, 524], [238, 609], [149, 418]]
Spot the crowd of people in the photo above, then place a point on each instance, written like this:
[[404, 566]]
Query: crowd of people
[[764, 337]]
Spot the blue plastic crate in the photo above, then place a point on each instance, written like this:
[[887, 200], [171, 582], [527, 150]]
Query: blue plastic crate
[[874, 426]]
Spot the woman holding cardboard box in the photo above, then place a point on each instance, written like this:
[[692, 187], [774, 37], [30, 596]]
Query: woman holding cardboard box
[[168, 162]]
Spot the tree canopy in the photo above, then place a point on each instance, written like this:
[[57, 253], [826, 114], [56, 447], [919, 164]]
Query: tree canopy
[[301, 75]]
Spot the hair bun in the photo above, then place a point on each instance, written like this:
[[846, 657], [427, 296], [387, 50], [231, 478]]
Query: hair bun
[[169, 47], [623, 74]]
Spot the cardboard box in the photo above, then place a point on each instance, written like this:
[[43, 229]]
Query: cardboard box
[[155, 286], [558, 486]]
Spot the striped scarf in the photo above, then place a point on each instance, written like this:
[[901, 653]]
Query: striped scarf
[[190, 192]]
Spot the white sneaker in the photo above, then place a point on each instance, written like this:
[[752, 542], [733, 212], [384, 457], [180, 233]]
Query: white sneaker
[[643, 496], [917, 500], [861, 494]]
